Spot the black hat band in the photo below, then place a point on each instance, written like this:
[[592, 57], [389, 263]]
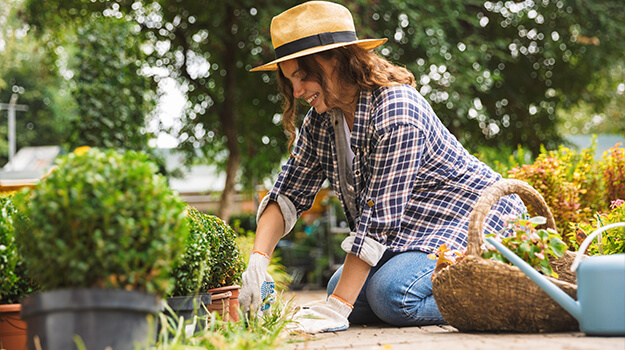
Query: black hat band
[[314, 41]]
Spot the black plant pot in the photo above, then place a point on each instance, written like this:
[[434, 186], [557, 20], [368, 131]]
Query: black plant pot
[[100, 317], [188, 306]]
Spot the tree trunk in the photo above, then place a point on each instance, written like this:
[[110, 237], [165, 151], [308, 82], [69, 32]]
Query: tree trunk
[[229, 122]]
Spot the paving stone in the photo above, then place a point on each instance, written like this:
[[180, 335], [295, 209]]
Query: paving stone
[[381, 337]]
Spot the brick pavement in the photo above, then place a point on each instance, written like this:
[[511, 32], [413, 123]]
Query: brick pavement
[[438, 337]]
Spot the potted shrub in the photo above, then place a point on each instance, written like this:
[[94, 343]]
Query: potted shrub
[[188, 297], [224, 265], [101, 234], [14, 284]]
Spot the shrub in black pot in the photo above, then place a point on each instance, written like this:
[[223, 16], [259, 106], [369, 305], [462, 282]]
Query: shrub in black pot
[[212, 260], [189, 297], [101, 234]]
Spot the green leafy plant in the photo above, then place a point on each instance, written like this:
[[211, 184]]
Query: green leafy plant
[[532, 245], [265, 332], [613, 167], [573, 184], [200, 270], [609, 242], [213, 243], [549, 176], [14, 283], [102, 219]]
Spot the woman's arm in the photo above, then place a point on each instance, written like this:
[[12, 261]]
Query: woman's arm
[[355, 272], [270, 229]]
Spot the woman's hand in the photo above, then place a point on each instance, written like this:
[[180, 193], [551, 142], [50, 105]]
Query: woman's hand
[[258, 289], [330, 317]]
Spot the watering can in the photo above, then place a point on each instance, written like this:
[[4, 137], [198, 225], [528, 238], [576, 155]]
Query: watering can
[[600, 308]]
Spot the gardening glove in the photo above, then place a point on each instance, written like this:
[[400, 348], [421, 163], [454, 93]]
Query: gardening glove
[[258, 288], [329, 317], [371, 251]]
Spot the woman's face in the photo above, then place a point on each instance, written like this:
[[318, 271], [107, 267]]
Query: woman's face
[[309, 90]]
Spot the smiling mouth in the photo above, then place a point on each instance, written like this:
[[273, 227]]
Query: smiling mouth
[[312, 98]]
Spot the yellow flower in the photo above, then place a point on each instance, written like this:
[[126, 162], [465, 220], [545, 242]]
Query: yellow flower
[[81, 150]]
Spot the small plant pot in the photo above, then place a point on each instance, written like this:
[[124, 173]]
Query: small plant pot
[[233, 308], [12, 328], [220, 303], [102, 318]]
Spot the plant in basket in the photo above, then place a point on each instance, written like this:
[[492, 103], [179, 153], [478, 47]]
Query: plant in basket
[[521, 236], [484, 294], [532, 245], [14, 282], [100, 235]]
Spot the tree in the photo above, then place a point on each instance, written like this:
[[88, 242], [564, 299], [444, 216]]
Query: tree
[[112, 97], [208, 47], [26, 71], [497, 72]]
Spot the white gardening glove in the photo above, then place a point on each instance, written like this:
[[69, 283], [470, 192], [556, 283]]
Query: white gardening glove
[[329, 317], [257, 287]]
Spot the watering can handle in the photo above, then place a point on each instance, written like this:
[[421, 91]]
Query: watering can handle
[[588, 240]]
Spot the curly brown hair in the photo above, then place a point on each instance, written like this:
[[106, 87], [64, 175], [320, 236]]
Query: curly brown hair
[[358, 67]]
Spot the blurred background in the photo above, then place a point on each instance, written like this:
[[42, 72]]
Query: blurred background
[[510, 79]]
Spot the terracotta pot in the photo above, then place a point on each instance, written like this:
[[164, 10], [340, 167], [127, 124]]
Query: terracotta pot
[[12, 329], [234, 299], [220, 303]]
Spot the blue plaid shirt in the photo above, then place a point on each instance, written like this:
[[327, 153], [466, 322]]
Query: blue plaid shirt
[[415, 184]]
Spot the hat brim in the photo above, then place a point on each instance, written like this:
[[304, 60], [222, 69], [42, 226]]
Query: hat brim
[[367, 44]]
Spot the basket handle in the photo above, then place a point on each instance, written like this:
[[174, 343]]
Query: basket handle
[[501, 188]]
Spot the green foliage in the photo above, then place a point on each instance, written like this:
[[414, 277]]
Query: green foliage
[[102, 219], [215, 242], [257, 333], [28, 71], [190, 271], [575, 185], [548, 176], [611, 241], [503, 158], [8, 250], [14, 283], [212, 257], [532, 245], [496, 73], [613, 167], [112, 97], [586, 118]]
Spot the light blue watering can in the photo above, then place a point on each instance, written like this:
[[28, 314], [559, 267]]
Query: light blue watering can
[[600, 305]]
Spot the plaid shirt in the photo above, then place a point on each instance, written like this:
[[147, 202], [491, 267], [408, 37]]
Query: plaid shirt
[[415, 184]]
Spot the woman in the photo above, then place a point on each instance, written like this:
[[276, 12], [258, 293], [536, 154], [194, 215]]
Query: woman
[[405, 183]]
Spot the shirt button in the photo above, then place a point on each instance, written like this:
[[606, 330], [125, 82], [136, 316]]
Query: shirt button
[[357, 172]]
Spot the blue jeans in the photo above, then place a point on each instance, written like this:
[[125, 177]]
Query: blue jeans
[[398, 291]]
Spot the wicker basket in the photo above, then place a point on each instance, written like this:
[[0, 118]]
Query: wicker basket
[[477, 294]]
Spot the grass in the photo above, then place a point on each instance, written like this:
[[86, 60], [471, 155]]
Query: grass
[[264, 332]]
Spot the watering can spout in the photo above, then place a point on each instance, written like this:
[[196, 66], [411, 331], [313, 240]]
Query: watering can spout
[[563, 299]]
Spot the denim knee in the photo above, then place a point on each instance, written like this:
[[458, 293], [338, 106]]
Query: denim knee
[[400, 293]]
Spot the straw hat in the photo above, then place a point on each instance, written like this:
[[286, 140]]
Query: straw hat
[[313, 27]]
